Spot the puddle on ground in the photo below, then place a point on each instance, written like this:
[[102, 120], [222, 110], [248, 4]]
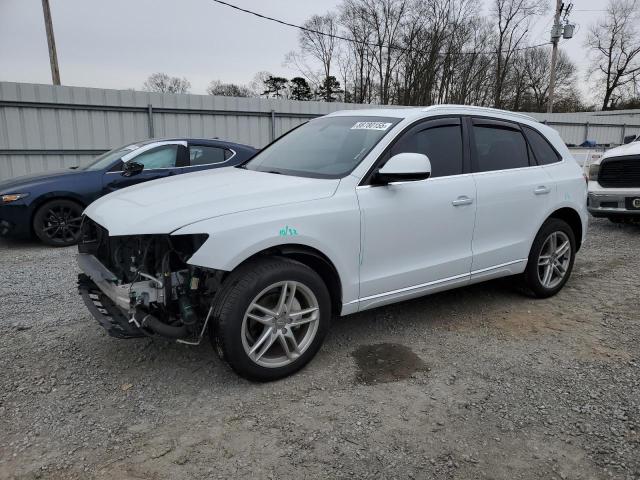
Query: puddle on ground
[[386, 362]]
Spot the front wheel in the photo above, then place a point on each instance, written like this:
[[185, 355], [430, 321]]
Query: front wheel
[[57, 222], [551, 258], [270, 318]]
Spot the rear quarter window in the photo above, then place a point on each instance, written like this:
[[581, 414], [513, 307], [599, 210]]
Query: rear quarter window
[[544, 153]]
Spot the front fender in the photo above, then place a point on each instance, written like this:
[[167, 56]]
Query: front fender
[[331, 226]]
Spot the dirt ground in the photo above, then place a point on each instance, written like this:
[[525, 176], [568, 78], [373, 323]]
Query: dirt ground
[[480, 382]]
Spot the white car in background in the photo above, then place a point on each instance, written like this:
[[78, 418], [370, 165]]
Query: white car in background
[[348, 212], [614, 184]]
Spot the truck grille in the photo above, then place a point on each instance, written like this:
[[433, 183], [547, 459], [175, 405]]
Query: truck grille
[[620, 172]]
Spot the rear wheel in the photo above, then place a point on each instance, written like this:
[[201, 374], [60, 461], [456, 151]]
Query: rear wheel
[[271, 317], [57, 222], [551, 258]]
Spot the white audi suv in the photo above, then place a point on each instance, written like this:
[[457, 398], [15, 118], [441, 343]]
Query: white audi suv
[[347, 212]]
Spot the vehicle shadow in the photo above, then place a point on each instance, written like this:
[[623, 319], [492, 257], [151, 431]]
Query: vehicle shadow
[[449, 310], [19, 243], [630, 227], [445, 309]]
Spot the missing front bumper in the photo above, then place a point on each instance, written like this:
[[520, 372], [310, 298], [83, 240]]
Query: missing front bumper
[[104, 280], [113, 319]]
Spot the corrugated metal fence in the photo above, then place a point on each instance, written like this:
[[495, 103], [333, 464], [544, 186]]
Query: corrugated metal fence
[[44, 127], [603, 127]]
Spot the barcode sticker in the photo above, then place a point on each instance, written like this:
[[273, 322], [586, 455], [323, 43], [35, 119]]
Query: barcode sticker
[[371, 126]]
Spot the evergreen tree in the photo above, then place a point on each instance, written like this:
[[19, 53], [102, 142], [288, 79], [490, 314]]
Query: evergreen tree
[[299, 89], [274, 86], [328, 89]]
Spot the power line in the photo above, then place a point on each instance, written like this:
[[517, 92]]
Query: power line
[[353, 40]]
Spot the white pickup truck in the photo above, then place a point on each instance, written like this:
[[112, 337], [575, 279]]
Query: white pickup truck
[[614, 184]]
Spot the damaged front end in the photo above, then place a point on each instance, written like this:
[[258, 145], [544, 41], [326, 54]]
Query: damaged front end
[[139, 285]]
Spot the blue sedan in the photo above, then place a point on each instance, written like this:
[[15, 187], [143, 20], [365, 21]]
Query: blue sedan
[[50, 204]]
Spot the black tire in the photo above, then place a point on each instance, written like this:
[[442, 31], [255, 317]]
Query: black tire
[[57, 222], [232, 302], [532, 273]]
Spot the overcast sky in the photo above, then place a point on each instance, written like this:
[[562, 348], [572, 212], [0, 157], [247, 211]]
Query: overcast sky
[[119, 43]]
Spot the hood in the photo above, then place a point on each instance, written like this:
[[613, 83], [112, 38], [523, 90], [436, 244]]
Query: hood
[[632, 148], [165, 205], [26, 182]]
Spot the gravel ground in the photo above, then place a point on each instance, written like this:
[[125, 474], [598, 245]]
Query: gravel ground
[[480, 382]]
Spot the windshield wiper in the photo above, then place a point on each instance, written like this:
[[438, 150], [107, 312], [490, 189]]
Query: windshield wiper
[[273, 171]]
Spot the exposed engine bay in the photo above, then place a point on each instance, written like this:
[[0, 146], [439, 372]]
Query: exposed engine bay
[[142, 284]]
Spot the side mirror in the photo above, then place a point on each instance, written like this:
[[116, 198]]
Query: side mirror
[[404, 167], [131, 168], [629, 139]]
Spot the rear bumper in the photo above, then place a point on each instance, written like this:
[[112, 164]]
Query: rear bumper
[[610, 204]]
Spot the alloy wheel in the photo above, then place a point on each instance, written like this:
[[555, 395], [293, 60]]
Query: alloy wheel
[[280, 324], [554, 259], [61, 223]]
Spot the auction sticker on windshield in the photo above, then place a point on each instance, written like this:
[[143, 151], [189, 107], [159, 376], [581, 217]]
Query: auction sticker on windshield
[[371, 126]]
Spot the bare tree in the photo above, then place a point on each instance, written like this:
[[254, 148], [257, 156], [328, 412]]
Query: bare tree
[[319, 42], [537, 64], [386, 18], [354, 20], [257, 85], [163, 83], [614, 43], [512, 22], [216, 87], [423, 52]]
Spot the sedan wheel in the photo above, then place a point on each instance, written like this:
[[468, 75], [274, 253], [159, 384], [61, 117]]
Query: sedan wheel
[[57, 223]]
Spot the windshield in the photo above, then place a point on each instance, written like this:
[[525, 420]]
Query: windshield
[[106, 159], [327, 147]]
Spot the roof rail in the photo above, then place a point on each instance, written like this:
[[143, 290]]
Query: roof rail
[[480, 109]]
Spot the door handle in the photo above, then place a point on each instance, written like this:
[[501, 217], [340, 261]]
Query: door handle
[[542, 190], [462, 200]]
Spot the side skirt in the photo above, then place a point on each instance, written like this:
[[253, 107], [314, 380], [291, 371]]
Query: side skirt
[[510, 268]]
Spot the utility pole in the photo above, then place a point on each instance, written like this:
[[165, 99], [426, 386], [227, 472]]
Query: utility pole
[[558, 30], [51, 41]]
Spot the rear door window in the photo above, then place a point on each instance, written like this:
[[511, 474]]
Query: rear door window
[[207, 155], [498, 147]]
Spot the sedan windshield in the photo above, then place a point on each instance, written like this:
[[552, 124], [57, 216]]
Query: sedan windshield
[[327, 147], [106, 159]]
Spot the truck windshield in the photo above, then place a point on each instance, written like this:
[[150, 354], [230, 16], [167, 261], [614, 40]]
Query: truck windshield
[[327, 147]]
